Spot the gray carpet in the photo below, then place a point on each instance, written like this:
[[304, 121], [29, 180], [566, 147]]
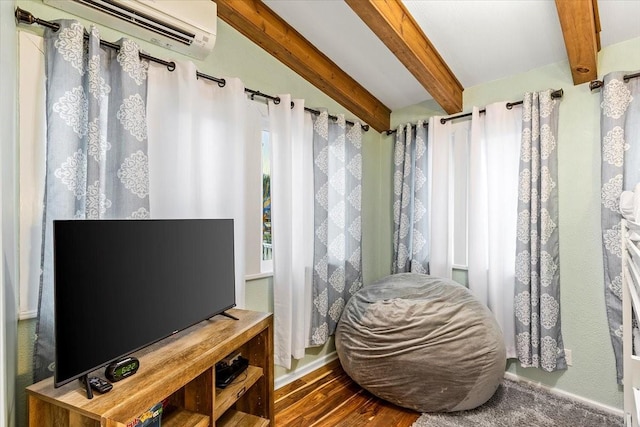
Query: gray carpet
[[519, 404]]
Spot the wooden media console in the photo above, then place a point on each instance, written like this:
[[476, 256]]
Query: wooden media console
[[179, 370]]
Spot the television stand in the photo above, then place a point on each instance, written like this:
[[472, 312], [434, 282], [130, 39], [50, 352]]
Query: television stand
[[181, 371], [230, 316]]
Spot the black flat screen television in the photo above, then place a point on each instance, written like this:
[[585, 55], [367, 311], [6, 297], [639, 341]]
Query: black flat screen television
[[121, 285]]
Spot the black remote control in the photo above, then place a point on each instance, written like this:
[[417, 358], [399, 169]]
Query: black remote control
[[100, 385]]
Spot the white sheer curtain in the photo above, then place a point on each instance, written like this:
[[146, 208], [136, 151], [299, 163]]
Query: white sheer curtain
[[493, 203], [200, 135], [441, 178], [493, 154], [291, 131]]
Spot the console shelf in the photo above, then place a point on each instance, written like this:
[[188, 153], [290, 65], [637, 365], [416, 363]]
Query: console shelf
[[227, 397], [181, 370], [237, 418], [183, 418]]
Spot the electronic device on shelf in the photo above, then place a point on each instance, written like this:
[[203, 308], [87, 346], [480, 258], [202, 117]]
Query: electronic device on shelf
[[95, 383], [121, 369], [152, 278], [229, 368]]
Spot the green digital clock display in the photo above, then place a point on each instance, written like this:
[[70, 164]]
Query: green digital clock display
[[121, 369], [128, 368]]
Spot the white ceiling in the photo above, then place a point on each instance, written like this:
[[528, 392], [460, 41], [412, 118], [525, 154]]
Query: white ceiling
[[480, 40]]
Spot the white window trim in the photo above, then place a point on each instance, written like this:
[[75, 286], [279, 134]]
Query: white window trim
[[266, 275]]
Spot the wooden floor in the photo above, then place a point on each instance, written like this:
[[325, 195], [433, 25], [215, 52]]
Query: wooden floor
[[329, 398]]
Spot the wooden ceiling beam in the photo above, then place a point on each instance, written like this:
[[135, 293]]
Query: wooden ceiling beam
[[580, 24], [396, 28], [260, 24]]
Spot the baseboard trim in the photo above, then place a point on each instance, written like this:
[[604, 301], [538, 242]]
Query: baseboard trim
[[290, 377], [606, 408]]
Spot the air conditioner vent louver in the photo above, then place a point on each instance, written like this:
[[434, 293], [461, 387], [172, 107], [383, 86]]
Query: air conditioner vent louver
[[187, 26], [138, 18]]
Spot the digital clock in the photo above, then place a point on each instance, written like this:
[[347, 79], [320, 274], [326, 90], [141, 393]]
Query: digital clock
[[121, 369]]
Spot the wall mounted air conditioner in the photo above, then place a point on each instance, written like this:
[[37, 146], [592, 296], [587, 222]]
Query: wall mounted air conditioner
[[185, 26]]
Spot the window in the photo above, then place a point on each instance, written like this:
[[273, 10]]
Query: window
[[461, 138], [267, 249], [258, 243]]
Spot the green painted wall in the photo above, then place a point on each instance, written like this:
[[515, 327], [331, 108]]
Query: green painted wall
[[236, 56], [584, 324], [592, 375]]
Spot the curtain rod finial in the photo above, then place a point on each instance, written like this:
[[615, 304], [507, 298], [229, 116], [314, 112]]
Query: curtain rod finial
[[595, 84], [28, 18], [24, 16]]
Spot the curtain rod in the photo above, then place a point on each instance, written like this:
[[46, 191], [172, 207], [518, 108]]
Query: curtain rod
[[555, 94], [425, 124], [28, 18], [596, 84]]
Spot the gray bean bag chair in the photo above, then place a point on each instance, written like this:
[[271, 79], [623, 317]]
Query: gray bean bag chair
[[421, 342]]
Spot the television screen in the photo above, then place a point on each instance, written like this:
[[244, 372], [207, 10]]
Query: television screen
[[121, 285]]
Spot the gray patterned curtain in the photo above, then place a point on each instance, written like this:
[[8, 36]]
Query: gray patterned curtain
[[410, 203], [97, 163], [337, 258], [620, 141], [537, 288]]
